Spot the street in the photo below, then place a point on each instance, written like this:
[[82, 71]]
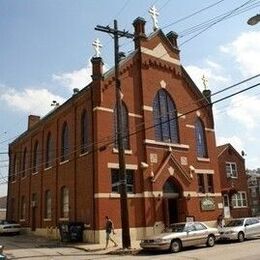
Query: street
[[31, 247]]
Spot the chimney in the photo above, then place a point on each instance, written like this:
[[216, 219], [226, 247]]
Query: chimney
[[97, 68], [32, 120], [139, 27], [172, 37], [207, 95]]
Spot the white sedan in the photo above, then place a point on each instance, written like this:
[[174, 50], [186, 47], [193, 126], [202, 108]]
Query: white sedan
[[9, 227], [240, 228], [180, 235]]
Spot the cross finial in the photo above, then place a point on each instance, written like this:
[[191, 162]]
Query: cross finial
[[97, 45], [154, 14], [205, 81]]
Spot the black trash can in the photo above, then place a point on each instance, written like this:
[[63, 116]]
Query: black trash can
[[76, 231], [64, 232]]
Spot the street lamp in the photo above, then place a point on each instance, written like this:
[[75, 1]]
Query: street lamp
[[254, 20]]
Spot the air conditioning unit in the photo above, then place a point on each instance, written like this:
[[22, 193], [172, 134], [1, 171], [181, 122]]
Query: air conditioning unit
[[229, 175]]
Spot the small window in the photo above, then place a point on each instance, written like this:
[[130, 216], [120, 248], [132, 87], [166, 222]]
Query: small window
[[199, 226], [116, 180], [48, 204], [200, 139], [205, 183], [231, 169], [239, 200], [201, 185], [64, 202], [36, 157], [65, 143], [24, 165], [49, 151], [84, 133]]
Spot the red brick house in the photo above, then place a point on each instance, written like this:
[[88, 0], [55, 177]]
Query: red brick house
[[233, 179], [65, 166]]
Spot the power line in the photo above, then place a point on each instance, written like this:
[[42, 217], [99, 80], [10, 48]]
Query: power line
[[150, 127]]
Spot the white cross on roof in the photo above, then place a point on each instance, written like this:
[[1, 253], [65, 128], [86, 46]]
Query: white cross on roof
[[97, 45], [205, 81], [154, 14]]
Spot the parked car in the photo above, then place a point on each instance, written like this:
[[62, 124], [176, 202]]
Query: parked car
[[9, 227], [180, 235], [240, 228]]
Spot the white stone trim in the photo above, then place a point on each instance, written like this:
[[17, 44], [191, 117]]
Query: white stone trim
[[209, 129], [63, 219], [48, 168], [183, 146], [145, 194], [181, 115], [83, 154], [204, 171], [106, 109], [190, 126], [64, 162], [115, 150], [127, 166], [160, 52], [201, 159], [135, 115], [148, 108], [47, 219]]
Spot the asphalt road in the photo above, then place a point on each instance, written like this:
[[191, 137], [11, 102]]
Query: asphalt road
[[25, 247]]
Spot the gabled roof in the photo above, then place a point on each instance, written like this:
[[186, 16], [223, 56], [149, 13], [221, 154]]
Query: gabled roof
[[222, 148]]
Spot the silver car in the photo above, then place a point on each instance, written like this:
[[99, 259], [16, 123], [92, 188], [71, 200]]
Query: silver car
[[180, 235], [240, 228]]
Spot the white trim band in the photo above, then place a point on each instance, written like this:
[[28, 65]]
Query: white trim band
[[204, 171], [182, 146], [106, 109], [127, 166], [148, 108]]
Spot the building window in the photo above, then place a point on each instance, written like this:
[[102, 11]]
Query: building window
[[125, 129], [49, 151], [239, 200], [64, 202], [65, 143], [84, 133], [47, 204], [231, 170], [24, 165], [205, 183], [23, 207], [116, 180], [165, 118], [12, 209], [13, 172], [200, 139], [36, 157]]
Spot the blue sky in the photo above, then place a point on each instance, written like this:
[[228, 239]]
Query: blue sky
[[46, 45]]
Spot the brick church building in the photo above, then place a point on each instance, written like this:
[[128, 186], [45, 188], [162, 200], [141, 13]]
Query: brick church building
[[65, 166]]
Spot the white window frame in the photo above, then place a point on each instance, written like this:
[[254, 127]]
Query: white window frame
[[238, 201], [231, 173]]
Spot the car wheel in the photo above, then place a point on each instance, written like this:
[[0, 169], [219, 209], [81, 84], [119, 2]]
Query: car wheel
[[240, 237], [175, 246], [211, 241]]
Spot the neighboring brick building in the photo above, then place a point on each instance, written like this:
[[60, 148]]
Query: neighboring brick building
[[233, 181], [3, 208], [254, 191], [65, 166]]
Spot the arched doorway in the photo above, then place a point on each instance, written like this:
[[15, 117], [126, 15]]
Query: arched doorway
[[172, 193]]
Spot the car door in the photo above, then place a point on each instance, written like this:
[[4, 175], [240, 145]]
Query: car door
[[196, 234], [249, 229], [188, 240], [255, 225]]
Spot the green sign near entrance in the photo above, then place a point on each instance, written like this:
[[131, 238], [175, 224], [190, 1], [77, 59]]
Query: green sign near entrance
[[207, 204]]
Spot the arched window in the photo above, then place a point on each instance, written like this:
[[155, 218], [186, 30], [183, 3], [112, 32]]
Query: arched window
[[65, 143], [165, 118], [24, 165], [13, 173], [84, 132], [47, 213], [125, 130], [64, 202], [200, 139], [36, 157], [23, 207], [49, 151]]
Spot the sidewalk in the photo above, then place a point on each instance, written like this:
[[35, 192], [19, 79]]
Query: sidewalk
[[100, 249]]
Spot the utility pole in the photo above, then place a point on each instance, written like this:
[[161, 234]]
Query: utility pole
[[126, 241]]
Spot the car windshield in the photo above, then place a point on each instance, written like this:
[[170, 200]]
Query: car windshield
[[235, 223], [175, 228]]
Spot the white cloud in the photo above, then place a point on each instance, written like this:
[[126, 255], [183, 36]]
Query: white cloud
[[235, 141], [35, 101], [245, 109], [75, 79], [213, 74], [246, 51]]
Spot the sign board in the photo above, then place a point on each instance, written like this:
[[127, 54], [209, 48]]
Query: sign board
[[207, 204]]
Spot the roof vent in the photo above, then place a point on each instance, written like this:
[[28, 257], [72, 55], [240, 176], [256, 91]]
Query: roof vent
[[75, 91]]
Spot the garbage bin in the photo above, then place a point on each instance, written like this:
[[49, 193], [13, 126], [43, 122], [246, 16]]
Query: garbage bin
[[76, 231], [64, 232]]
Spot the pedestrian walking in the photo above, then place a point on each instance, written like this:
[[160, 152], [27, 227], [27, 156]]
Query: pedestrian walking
[[109, 230]]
